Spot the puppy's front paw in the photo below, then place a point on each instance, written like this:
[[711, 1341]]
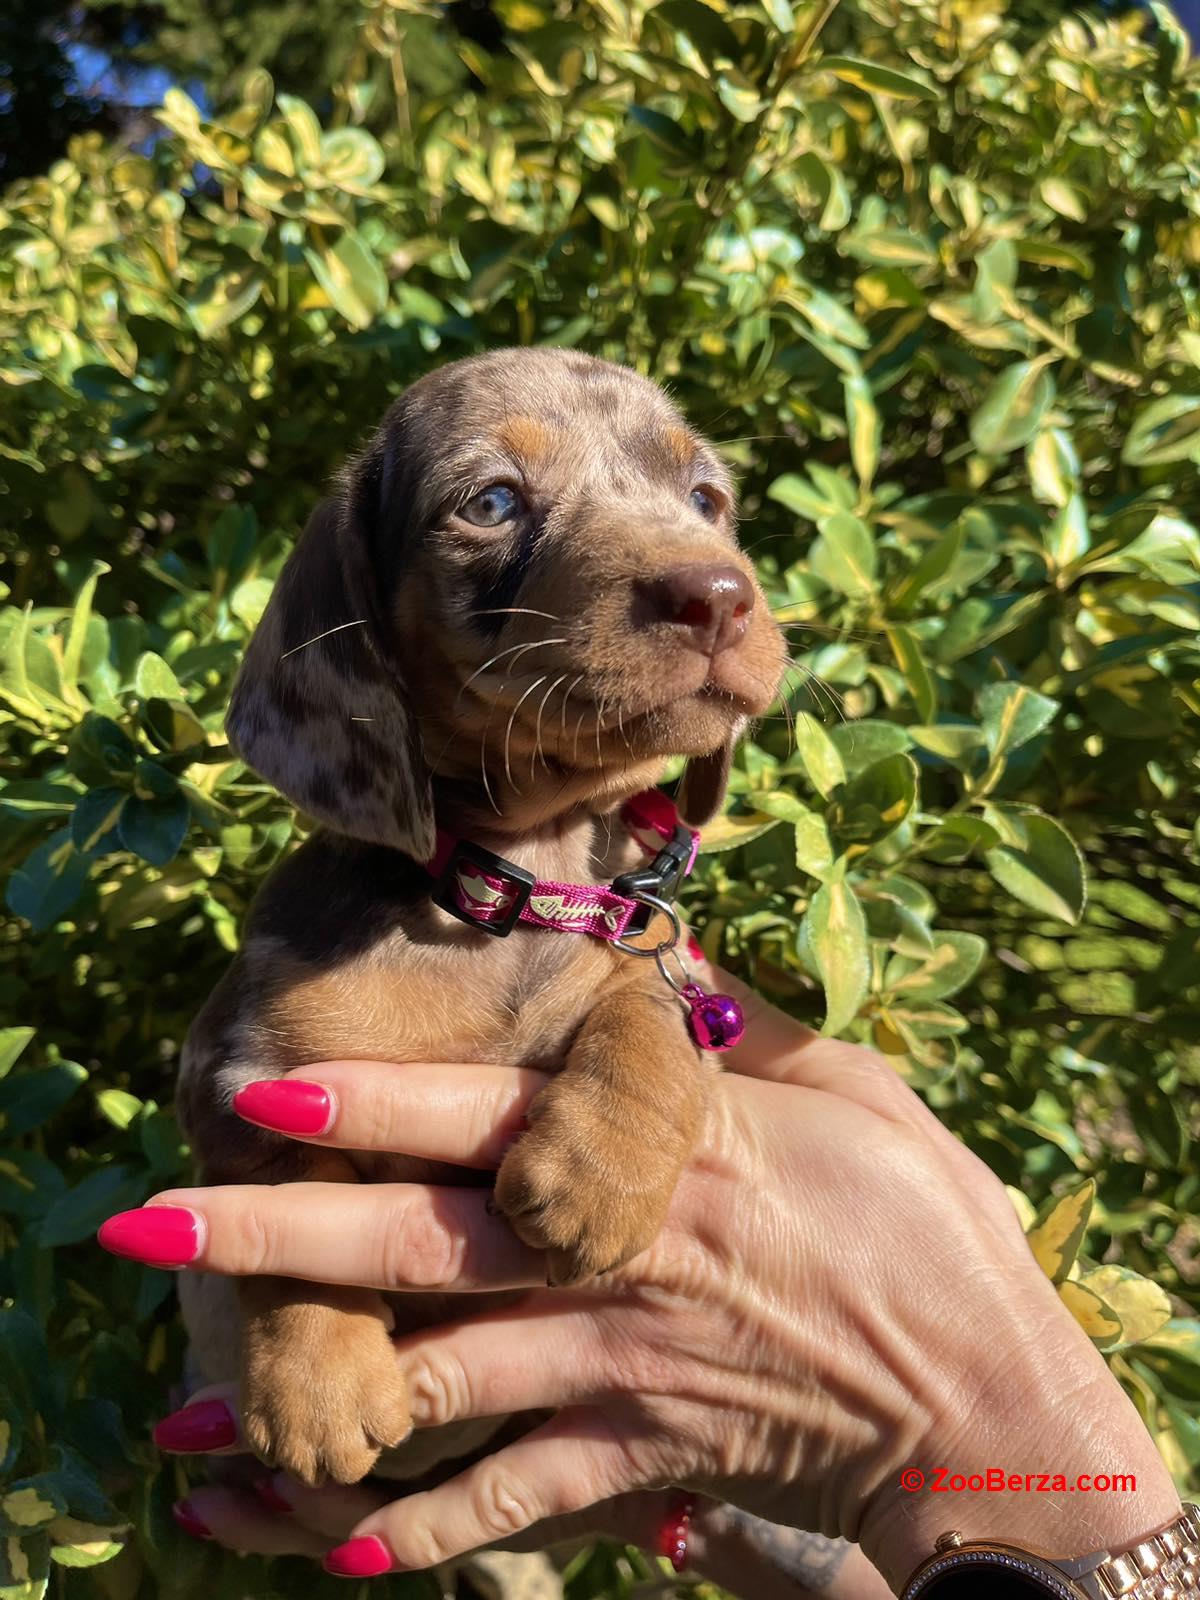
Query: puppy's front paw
[[585, 1192], [322, 1393]]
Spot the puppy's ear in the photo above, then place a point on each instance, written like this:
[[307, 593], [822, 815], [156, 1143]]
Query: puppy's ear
[[319, 707], [702, 787]]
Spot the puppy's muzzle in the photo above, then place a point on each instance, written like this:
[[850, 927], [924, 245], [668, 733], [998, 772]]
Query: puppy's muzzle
[[709, 606]]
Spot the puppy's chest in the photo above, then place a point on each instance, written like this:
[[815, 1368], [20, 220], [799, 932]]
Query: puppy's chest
[[517, 1003]]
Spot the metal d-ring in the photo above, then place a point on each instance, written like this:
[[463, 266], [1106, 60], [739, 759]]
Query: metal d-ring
[[666, 944]]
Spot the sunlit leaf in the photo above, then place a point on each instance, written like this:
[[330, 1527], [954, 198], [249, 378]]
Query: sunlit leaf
[[1057, 1235], [837, 932]]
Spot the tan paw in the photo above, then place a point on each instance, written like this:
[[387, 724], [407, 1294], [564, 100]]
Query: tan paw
[[322, 1392], [591, 1197]]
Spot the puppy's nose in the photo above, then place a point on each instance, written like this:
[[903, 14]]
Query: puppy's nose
[[713, 603]]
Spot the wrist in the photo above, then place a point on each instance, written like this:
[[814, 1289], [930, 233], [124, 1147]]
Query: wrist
[[1052, 1457]]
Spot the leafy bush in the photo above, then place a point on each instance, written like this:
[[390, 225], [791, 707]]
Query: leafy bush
[[929, 274]]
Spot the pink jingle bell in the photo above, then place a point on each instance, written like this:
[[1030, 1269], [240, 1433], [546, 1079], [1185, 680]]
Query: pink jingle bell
[[717, 1022]]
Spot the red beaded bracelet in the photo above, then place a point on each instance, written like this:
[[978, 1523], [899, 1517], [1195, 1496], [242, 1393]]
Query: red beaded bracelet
[[673, 1533]]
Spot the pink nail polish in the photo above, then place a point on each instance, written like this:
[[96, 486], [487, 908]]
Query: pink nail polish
[[286, 1105], [207, 1425], [159, 1236], [694, 948], [187, 1519], [359, 1558]]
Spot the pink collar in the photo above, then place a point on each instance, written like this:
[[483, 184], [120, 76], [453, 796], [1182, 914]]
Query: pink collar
[[492, 894]]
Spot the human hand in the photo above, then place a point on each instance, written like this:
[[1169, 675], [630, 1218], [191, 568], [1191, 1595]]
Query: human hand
[[271, 1514], [841, 1291]]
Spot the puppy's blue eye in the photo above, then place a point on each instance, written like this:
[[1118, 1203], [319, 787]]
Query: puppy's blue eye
[[492, 506], [704, 503]]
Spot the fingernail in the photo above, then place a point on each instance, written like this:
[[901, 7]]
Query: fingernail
[[207, 1425], [268, 1492], [187, 1519], [359, 1558], [286, 1105], [159, 1236], [694, 948]]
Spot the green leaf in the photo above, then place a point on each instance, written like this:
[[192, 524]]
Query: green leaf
[[30, 1503], [304, 128], [861, 743], [1058, 1232], [814, 853], [780, 14], [1142, 1307], [223, 299], [934, 564], [80, 1211], [954, 741], [1011, 715], [955, 960], [351, 158], [662, 131], [1053, 466], [30, 1098], [12, 1045], [819, 754], [910, 659], [731, 830], [153, 829], [864, 426], [80, 613], [1094, 1315], [799, 495], [352, 278], [878, 800], [1069, 535], [704, 26], [32, 799], [1166, 430], [118, 1106], [1064, 199], [844, 556], [83, 1544], [1048, 874], [1012, 410], [743, 102], [837, 933], [48, 883], [95, 817], [153, 679], [876, 79], [172, 726], [24, 1566]]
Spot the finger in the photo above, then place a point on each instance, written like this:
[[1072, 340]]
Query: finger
[[394, 1236], [543, 1352], [466, 1115], [208, 1425], [238, 1519], [333, 1510], [569, 1463]]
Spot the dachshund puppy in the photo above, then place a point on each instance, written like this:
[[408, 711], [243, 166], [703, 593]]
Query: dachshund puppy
[[525, 595]]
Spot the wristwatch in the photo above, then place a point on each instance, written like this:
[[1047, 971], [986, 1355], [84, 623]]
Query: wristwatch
[[1164, 1566]]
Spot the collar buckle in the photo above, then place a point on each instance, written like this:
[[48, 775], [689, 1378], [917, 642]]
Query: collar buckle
[[660, 879], [483, 890]]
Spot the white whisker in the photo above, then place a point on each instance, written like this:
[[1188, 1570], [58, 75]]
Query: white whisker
[[509, 729], [316, 639]]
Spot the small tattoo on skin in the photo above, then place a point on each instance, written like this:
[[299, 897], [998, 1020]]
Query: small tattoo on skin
[[812, 1560]]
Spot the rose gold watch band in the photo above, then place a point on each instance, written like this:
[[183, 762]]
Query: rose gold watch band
[[1166, 1566], [1163, 1566]]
